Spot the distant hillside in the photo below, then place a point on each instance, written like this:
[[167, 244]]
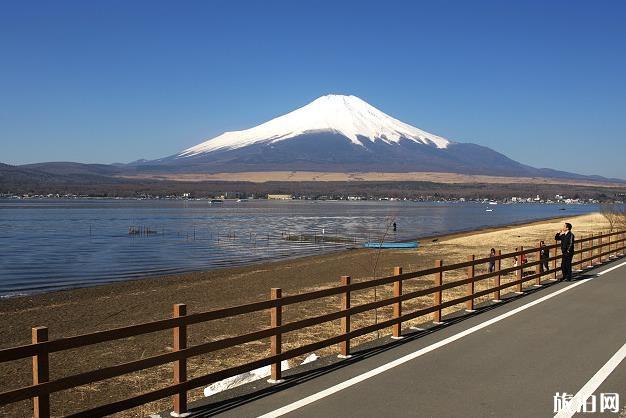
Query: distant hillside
[[52, 177], [69, 168]]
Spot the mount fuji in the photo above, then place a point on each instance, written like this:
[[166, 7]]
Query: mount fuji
[[347, 116], [338, 133]]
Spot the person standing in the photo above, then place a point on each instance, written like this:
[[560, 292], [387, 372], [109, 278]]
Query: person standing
[[567, 250], [544, 257], [492, 260]]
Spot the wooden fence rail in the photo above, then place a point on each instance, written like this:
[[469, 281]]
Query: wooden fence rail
[[591, 250]]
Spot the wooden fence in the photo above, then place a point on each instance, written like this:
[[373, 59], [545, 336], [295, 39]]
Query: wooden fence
[[588, 252]]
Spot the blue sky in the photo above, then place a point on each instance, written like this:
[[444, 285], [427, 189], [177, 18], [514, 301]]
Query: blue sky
[[115, 81]]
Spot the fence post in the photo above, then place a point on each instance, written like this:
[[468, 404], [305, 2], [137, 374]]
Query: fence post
[[397, 306], [591, 253], [611, 246], [580, 256], [438, 295], [588, 252], [471, 270], [583, 253], [180, 366], [556, 255], [276, 319], [496, 294], [41, 372], [345, 321], [539, 270], [601, 248], [520, 272]]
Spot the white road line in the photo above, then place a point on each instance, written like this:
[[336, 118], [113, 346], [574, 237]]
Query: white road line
[[611, 269], [592, 385], [360, 378]]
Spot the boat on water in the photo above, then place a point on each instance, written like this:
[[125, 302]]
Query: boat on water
[[493, 203], [385, 245], [488, 210], [216, 201]]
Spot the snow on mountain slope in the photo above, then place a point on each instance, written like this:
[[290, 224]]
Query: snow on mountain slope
[[346, 115]]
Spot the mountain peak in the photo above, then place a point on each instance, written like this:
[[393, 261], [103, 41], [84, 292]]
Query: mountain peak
[[340, 98], [348, 116]]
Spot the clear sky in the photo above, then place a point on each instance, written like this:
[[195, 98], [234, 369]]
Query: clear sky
[[544, 82]]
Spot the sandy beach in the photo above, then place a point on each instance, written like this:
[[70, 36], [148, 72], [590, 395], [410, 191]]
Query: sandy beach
[[80, 311]]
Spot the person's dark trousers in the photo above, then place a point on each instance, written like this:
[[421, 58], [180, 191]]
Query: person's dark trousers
[[566, 266]]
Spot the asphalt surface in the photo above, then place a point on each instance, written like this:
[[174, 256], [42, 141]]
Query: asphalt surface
[[509, 367]]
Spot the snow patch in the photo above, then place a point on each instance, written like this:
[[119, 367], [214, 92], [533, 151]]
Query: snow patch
[[346, 115], [257, 374], [242, 379], [310, 358]]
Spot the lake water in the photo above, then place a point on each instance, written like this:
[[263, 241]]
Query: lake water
[[49, 245]]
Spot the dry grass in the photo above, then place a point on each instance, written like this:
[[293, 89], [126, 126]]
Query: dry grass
[[88, 307], [448, 178]]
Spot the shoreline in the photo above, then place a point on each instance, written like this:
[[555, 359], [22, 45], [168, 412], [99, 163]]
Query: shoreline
[[262, 265], [484, 229], [28, 274], [268, 263]]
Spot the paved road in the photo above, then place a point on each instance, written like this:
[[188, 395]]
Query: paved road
[[504, 362]]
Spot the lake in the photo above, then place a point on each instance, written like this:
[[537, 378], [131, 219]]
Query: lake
[[50, 245]]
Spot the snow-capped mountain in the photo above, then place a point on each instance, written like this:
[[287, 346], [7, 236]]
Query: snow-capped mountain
[[348, 116], [337, 133], [334, 133]]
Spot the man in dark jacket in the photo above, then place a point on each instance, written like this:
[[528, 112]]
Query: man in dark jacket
[[567, 249]]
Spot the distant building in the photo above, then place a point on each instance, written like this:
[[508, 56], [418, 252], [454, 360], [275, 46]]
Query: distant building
[[279, 196]]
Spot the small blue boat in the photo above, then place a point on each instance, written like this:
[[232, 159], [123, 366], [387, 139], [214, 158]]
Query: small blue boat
[[414, 244]]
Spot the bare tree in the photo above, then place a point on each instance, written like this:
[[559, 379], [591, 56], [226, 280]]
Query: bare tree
[[606, 209], [620, 209], [390, 221], [615, 214]]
